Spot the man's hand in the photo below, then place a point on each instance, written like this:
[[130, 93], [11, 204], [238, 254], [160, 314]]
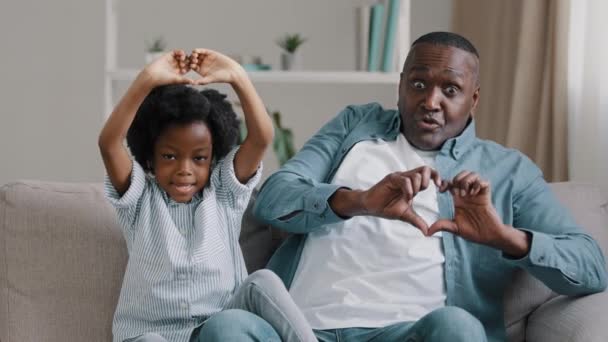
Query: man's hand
[[476, 219], [215, 67], [391, 198], [167, 69]]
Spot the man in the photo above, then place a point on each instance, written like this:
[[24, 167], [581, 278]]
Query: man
[[408, 226]]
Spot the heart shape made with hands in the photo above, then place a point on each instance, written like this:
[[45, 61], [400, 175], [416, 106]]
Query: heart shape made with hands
[[211, 66]]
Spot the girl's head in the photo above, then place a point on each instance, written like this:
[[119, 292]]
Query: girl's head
[[178, 133]]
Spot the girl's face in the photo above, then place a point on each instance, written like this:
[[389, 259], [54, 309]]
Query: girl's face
[[182, 160]]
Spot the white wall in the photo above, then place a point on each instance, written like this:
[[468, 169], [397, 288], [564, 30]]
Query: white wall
[[52, 67], [51, 70]]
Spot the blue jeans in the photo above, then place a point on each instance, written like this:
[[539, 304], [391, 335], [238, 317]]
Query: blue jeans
[[445, 324], [235, 325]]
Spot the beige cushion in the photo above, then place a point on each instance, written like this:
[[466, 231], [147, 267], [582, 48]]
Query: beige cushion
[[63, 258], [589, 205]]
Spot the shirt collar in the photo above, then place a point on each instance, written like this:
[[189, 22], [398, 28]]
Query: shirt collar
[[455, 147], [458, 145]]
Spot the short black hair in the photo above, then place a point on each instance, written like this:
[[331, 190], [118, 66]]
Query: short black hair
[[181, 105], [447, 39]]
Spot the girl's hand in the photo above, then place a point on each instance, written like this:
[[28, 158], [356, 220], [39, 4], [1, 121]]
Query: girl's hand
[[168, 69], [215, 67]]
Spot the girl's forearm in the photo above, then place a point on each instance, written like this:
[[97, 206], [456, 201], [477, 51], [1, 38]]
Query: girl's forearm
[[116, 127], [259, 126]]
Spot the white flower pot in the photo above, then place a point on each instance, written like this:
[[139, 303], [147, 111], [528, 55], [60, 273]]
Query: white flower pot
[[152, 56], [290, 61]]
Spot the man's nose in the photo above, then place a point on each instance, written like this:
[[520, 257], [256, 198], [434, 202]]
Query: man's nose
[[432, 100]]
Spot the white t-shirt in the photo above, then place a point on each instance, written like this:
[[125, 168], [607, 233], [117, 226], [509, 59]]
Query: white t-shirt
[[368, 271]]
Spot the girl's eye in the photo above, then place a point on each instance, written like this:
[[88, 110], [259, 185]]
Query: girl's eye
[[418, 84], [168, 156], [200, 158]]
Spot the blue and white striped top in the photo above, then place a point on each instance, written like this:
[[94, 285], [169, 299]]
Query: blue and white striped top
[[184, 258]]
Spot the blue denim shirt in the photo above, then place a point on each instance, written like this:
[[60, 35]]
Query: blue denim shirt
[[563, 257]]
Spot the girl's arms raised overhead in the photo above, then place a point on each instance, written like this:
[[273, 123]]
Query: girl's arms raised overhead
[[168, 69], [217, 68]]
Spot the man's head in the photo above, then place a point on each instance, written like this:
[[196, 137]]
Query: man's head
[[439, 89]]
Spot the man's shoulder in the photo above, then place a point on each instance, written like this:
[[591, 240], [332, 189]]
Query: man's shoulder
[[511, 160], [372, 112]]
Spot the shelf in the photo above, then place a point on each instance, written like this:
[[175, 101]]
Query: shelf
[[296, 77]]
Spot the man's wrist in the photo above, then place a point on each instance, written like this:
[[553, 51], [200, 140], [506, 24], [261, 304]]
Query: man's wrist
[[516, 243], [347, 203]]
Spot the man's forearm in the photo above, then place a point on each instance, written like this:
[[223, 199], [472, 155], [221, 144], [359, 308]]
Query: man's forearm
[[516, 243], [347, 203]]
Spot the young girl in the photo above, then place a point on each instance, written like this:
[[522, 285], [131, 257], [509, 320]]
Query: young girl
[[180, 203]]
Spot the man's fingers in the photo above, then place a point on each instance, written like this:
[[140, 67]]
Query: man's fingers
[[444, 185], [413, 218], [467, 183], [416, 180], [443, 225]]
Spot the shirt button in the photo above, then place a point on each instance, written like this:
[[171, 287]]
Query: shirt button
[[183, 305], [181, 276]]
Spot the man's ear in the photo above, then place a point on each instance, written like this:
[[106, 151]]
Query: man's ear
[[475, 101]]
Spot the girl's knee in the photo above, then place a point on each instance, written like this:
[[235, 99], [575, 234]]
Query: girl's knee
[[237, 325], [265, 279]]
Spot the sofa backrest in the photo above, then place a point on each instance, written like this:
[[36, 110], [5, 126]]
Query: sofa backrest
[[62, 258], [589, 206]]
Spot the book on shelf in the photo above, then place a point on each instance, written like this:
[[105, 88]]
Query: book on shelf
[[362, 39], [375, 36], [389, 35], [382, 33], [402, 36]]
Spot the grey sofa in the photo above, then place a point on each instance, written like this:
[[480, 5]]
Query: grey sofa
[[62, 259]]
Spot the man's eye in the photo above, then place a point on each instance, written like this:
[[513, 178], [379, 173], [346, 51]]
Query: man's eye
[[451, 90], [418, 84], [168, 156]]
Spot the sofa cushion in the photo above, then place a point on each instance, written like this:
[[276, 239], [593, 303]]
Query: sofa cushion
[[589, 206], [63, 258]]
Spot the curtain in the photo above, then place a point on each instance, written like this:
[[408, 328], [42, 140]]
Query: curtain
[[524, 67], [588, 92]]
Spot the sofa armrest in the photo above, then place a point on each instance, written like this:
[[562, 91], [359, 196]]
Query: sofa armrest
[[570, 319]]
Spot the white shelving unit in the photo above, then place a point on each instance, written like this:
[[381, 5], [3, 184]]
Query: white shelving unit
[[115, 74]]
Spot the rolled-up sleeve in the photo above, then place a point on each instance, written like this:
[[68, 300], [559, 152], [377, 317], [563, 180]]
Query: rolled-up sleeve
[[296, 198], [561, 255], [226, 183], [126, 205]]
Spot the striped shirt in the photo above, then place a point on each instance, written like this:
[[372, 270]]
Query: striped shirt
[[184, 258]]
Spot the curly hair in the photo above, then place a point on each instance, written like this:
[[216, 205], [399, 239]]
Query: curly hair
[[180, 105]]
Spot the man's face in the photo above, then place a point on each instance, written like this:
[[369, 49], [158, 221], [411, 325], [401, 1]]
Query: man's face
[[438, 92], [182, 160]]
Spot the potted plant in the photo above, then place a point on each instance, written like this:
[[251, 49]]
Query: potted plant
[[290, 43], [283, 140], [282, 145], [155, 49]]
